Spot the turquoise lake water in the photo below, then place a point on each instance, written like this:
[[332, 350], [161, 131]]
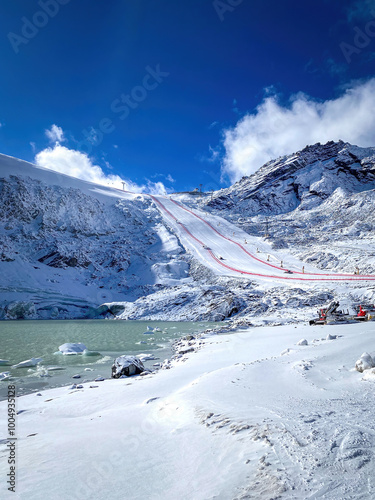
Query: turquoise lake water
[[22, 340]]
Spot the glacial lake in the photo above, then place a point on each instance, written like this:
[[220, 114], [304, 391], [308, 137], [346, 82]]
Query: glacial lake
[[22, 340]]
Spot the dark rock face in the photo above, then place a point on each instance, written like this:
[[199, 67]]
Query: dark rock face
[[127, 365]]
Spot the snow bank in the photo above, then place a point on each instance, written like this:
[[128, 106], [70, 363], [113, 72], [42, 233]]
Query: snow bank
[[364, 362]]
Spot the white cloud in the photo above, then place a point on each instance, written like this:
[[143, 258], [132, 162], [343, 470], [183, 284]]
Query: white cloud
[[155, 188], [79, 165], [275, 130], [55, 134]]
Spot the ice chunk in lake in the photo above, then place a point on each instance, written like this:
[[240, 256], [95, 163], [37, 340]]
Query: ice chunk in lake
[[4, 362], [5, 376], [146, 357], [69, 349], [28, 362]]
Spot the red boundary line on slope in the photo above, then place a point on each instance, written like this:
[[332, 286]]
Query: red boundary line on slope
[[263, 261], [342, 279]]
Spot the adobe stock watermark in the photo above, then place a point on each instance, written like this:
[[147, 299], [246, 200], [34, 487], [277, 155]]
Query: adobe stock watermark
[[122, 107], [31, 27], [221, 7], [362, 39], [11, 446]]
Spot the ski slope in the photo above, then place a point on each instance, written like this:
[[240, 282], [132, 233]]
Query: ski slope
[[228, 250]]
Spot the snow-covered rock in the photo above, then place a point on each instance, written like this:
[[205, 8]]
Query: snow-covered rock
[[331, 337], [127, 366], [302, 342], [71, 348], [364, 362]]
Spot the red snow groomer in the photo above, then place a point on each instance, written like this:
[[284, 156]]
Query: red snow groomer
[[364, 313], [330, 315]]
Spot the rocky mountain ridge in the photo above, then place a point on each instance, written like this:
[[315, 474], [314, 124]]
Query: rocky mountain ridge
[[301, 180]]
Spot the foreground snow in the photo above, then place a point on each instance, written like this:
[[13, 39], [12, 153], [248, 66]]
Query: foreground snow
[[250, 415]]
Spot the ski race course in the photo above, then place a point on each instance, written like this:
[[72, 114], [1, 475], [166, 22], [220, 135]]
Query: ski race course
[[228, 250]]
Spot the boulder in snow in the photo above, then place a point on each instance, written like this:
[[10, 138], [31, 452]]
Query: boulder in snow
[[331, 337], [302, 342], [364, 362], [69, 349], [127, 365]]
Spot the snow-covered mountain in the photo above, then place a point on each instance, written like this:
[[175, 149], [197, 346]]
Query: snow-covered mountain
[[67, 245], [318, 203], [302, 180], [71, 249]]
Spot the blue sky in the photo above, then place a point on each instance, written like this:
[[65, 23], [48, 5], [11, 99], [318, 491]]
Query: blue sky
[[184, 92]]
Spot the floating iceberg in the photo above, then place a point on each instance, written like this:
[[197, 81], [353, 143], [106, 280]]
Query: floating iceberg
[[146, 357], [5, 376], [4, 362], [70, 349], [28, 362]]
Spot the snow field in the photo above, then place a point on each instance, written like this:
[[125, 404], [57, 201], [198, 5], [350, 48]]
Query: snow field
[[236, 419]]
